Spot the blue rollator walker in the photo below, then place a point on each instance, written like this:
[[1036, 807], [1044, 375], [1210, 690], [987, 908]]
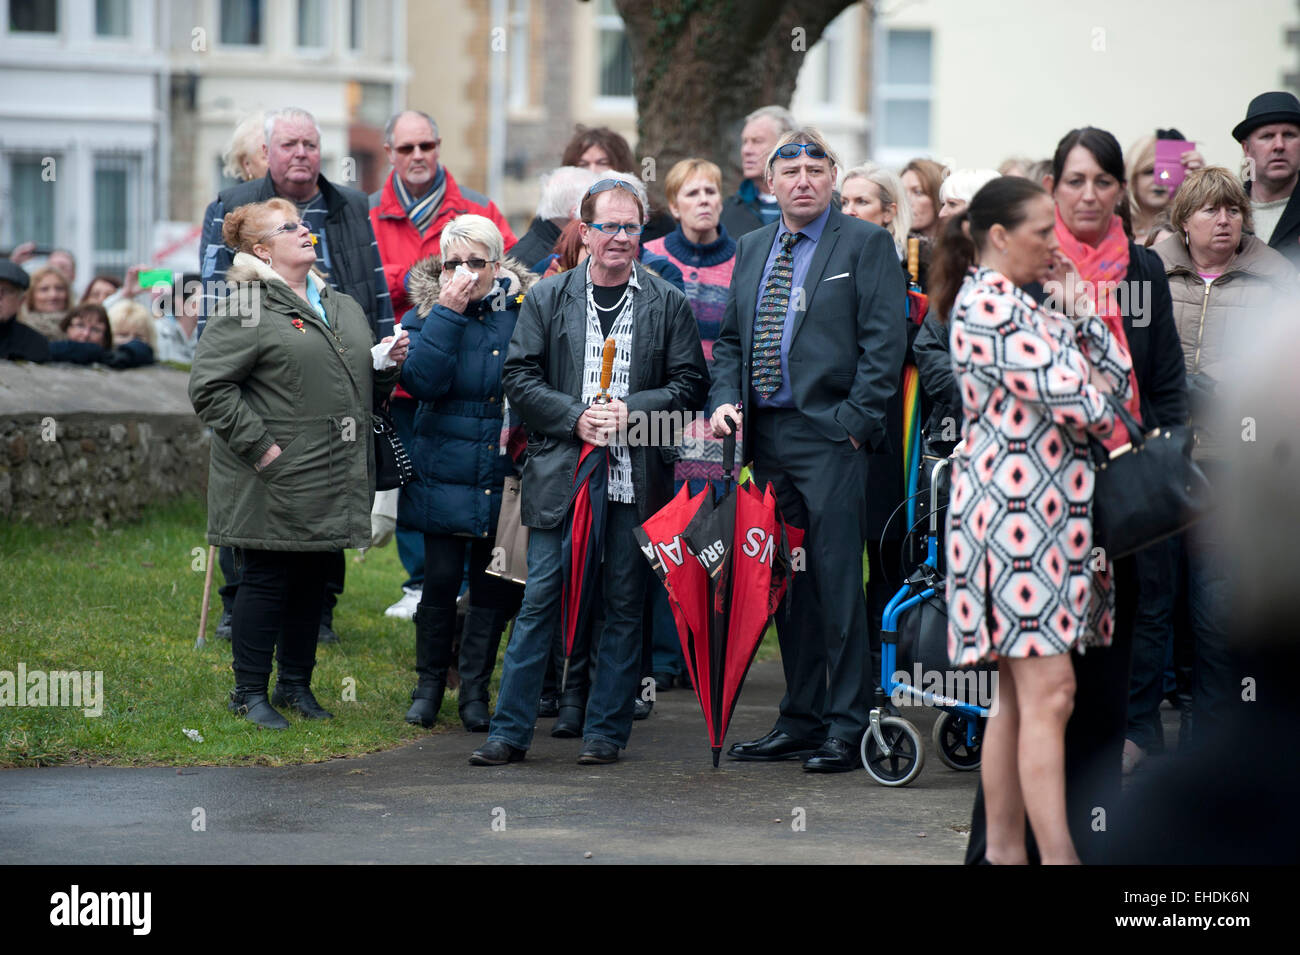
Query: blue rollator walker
[[892, 751]]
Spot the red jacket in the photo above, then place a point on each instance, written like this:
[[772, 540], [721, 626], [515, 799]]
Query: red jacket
[[400, 243]]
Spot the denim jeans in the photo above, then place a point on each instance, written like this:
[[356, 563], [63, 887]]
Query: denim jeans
[[618, 661]]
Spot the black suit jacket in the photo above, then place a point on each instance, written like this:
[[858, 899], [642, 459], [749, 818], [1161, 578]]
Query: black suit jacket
[[847, 344], [1286, 237]]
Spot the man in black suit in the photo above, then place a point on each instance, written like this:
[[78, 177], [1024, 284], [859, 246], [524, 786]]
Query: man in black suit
[[811, 348]]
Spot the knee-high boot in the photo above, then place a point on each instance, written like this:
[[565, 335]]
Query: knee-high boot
[[433, 635]]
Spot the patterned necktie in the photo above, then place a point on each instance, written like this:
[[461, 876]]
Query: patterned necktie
[[770, 322]]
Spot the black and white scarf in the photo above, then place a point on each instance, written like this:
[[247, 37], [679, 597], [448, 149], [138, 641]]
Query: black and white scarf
[[620, 462]]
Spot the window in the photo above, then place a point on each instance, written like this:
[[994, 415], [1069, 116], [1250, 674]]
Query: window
[[241, 22], [113, 18], [518, 47], [356, 18], [904, 93], [31, 205], [117, 218], [311, 24], [615, 61], [33, 16]]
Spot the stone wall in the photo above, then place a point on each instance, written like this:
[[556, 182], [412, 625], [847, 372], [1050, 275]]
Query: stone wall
[[95, 444]]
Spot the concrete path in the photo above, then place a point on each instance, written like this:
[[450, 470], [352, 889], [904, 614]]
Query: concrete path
[[423, 803]]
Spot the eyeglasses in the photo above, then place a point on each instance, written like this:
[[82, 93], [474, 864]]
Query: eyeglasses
[[613, 228], [604, 185], [426, 147], [287, 227], [792, 151], [450, 265]]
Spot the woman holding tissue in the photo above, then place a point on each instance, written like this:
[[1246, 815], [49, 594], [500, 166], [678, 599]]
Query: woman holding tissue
[[466, 302], [284, 378]]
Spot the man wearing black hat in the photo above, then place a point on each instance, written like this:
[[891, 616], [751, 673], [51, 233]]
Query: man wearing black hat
[[1270, 138], [17, 341]]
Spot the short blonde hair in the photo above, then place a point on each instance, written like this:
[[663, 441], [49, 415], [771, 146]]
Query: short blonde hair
[[472, 228], [892, 193], [683, 171], [1210, 186], [130, 319], [964, 183], [246, 140], [804, 134]]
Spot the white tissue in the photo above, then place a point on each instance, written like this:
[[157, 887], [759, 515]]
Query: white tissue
[[379, 353]]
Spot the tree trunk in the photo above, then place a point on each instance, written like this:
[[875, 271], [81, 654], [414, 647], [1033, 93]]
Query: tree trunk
[[702, 65]]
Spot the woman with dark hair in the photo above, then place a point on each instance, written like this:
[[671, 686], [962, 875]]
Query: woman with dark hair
[[89, 341], [1127, 289], [1020, 588], [601, 150]]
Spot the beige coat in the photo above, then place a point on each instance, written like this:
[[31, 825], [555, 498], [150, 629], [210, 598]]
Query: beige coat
[[1215, 320]]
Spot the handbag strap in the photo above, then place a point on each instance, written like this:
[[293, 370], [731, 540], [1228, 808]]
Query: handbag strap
[[1135, 434]]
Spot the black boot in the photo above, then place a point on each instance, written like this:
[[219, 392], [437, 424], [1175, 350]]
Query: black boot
[[433, 633], [249, 701], [293, 689], [572, 716], [479, 641]]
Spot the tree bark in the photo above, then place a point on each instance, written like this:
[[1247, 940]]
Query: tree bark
[[701, 66]]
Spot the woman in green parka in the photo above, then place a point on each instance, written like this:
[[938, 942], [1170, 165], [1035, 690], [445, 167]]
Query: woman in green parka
[[284, 378]]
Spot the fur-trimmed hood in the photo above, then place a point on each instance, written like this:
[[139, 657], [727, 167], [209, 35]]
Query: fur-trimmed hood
[[424, 281], [247, 267]]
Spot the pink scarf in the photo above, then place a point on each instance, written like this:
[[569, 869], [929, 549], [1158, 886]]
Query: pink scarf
[[1106, 262]]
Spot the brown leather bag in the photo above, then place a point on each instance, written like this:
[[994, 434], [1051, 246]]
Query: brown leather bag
[[510, 552]]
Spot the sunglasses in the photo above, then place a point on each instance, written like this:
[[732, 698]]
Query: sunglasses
[[604, 185], [613, 228], [287, 227], [426, 147], [450, 265], [792, 150]]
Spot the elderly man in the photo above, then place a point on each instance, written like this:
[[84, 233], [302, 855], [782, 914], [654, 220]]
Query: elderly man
[[552, 374], [562, 190], [346, 256], [812, 346], [419, 197], [17, 341], [754, 206], [1270, 139]]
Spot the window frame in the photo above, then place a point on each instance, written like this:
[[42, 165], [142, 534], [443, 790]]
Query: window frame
[[889, 153]]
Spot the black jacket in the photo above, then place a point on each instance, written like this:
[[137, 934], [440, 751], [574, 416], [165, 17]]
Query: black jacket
[[740, 216], [536, 244], [942, 428], [18, 341], [543, 380], [354, 255], [1286, 237]]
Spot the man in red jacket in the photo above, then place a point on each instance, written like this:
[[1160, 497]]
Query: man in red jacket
[[417, 200]]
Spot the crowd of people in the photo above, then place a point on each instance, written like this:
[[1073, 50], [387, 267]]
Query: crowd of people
[[779, 311]]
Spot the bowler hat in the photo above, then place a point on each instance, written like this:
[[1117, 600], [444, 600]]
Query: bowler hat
[[1276, 107], [14, 274]]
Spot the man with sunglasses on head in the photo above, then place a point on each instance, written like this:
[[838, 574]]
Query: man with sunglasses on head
[[810, 351], [551, 377]]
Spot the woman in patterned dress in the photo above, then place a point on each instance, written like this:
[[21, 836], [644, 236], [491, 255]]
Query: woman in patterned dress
[[1021, 585]]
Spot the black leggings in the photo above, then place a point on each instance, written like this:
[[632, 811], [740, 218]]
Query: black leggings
[[444, 570], [280, 597]]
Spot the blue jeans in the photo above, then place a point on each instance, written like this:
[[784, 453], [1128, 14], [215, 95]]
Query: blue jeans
[[618, 657], [410, 543]]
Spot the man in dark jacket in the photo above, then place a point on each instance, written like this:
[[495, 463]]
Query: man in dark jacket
[[753, 206], [812, 346], [1270, 139], [552, 374], [339, 219], [17, 341]]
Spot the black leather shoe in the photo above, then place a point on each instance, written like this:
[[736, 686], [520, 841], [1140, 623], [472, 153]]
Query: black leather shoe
[[835, 756], [496, 753], [326, 634], [641, 708], [663, 682], [548, 707], [251, 703], [299, 698], [598, 751], [776, 745], [474, 716]]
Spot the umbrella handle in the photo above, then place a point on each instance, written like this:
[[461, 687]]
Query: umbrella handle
[[729, 454]]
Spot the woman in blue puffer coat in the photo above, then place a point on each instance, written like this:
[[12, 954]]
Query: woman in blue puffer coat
[[460, 330]]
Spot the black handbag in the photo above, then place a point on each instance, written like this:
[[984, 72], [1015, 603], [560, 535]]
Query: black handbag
[[393, 467], [1146, 490]]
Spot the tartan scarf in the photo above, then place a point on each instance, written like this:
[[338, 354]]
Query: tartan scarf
[[1106, 262], [422, 210]]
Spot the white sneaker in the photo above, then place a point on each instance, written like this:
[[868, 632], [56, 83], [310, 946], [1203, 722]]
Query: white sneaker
[[404, 609]]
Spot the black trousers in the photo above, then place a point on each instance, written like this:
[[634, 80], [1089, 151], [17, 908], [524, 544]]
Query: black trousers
[[444, 570], [820, 485], [335, 569], [279, 602], [1094, 737]]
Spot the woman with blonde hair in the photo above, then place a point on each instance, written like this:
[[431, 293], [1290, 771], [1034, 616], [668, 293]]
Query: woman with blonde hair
[[875, 194], [284, 377], [47, 302], [1147, 197], [245, 156]]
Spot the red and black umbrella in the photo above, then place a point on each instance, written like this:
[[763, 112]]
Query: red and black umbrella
[[725, 564]]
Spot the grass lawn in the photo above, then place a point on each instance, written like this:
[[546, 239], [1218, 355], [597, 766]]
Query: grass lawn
[[125, 601]]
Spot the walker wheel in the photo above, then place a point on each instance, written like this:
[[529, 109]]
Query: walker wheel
[[906, 758], [950, 740]]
